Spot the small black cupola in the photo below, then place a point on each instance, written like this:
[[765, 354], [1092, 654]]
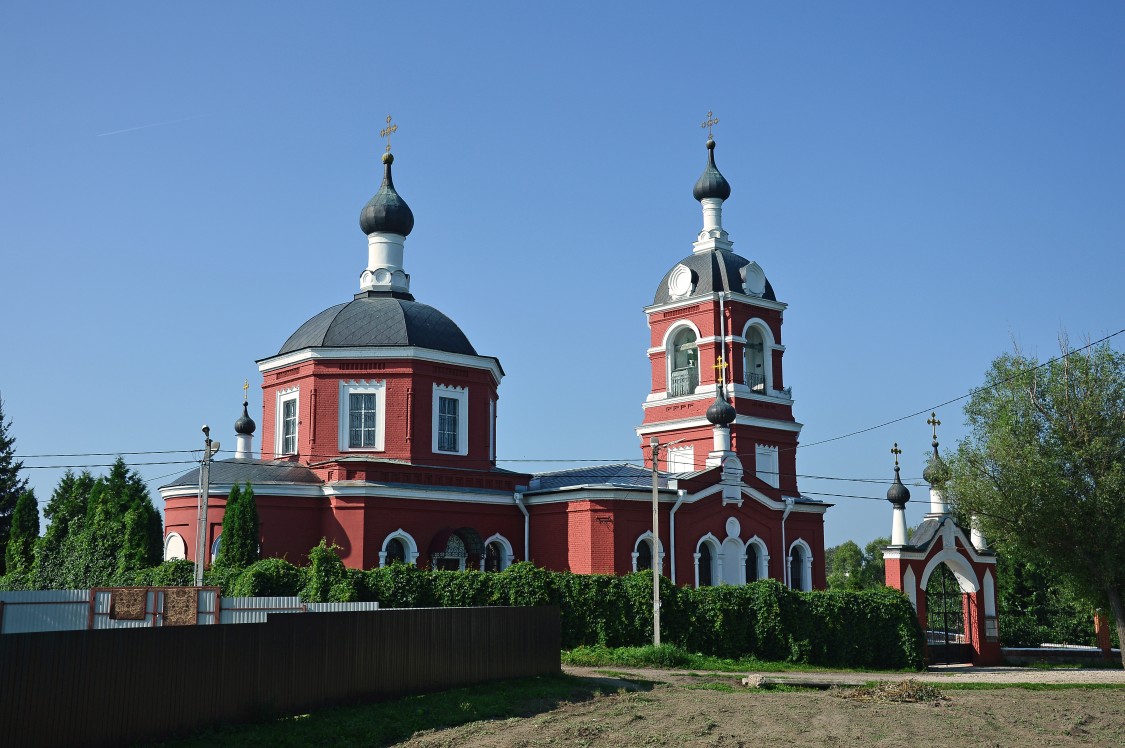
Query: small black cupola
[[245, 424], [721, 412], [936, 472], [711, 183], [387, 212], [898, 494]]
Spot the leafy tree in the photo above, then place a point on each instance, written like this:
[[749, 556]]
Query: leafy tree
[[19, 556], [1043, 467], [239, 547], [11, 484], [326, 578], [852, 569], [66, 512]]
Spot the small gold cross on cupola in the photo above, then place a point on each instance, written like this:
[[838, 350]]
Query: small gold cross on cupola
[[721, 370], [933, 421], [387, 131], [245, 390], [896, 452], [710, 122]]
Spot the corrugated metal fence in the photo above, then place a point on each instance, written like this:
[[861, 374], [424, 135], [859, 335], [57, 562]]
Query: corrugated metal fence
[[72, 610], [122, 686]]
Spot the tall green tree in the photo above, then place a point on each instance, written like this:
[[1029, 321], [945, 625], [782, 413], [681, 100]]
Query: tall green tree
[[848, 567], [1043, 466], [11, 484], [19, 556], [239, 545], [66, 513]]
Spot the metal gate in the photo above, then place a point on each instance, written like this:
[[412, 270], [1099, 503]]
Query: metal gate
[[945, 619]]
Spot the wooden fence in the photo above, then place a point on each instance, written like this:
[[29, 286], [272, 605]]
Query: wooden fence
[[115, 687]]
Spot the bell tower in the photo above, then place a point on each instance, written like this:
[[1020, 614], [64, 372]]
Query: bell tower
[[715, 332]]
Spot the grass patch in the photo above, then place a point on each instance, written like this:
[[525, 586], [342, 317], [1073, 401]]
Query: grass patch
[[723, 687], [954, 686], [394, 721], [671, 657]]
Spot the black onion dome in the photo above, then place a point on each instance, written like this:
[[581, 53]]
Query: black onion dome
[[721, 413], [380, 319], [711, 183], [245, 424], [387, 212], [898, 494], [937, 472], [716, 271]]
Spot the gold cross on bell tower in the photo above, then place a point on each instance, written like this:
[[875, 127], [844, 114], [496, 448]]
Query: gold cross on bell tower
[[245, 390], [721, 370], [710, 122], [933, 421], [387, 131], [896, 452]]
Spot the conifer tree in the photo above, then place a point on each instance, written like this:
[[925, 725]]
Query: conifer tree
[[66, 513], [11, 484], [19, 556], [239, 546]]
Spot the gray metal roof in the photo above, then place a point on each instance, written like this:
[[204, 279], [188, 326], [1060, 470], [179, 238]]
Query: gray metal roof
[[379, 319], [714, 271], [616, 475], [257, 472]]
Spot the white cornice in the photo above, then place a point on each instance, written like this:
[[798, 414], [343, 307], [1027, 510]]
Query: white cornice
[[488, 363], [707, 392], [356, 490], [704, 298], [699, 422]]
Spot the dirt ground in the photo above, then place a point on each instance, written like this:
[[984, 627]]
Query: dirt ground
[[685, 709]]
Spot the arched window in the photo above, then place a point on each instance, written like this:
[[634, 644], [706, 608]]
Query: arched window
[[752, 555], [644, 556], [398, 547], [497, 554], [174, 547], [800, 566], [215, 548], [395, 552], [755, 360], [453, 557], [706, 564], [684, 354]]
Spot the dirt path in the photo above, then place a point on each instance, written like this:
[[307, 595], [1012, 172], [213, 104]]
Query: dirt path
[[680, 708]]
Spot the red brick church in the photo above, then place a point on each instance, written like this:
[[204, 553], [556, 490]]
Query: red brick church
[[379, 427]]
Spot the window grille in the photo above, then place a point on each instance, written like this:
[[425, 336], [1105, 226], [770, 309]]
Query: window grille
[[447, 424], [361, 420], [289, 427]]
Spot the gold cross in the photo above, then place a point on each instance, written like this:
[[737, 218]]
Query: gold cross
[[709, 123], [245, 389], [721, 366], [896, 452], [387, 131], [933, 421]]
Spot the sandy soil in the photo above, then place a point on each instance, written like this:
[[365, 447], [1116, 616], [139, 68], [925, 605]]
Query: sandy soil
[[677, 708]]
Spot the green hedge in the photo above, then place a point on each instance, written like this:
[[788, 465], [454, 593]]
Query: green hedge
[[872, 629]]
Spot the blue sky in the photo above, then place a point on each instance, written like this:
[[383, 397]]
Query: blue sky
[[924, 186]]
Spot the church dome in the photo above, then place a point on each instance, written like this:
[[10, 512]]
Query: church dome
[[380, 319], [711, 183], [386, 212], [937, 472], [716, 271], [898, 494], [721, 412], [245, 424]]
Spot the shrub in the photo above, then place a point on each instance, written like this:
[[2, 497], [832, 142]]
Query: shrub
[[270, 577]]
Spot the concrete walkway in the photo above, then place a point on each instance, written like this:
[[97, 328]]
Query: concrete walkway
[[936, 674]]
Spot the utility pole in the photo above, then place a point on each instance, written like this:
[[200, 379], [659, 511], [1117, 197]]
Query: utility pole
[[209, 448], [657, 565]]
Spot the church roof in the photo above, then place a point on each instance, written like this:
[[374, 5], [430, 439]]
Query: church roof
[[618, 475], [257, 472], [380, 319], [716, 270]]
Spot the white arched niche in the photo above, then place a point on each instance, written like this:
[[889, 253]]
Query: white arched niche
[[410, 547]]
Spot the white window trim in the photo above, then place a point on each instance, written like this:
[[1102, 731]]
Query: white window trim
[[716, 557], [646, 537], [461, 394], [773, 476], [215, 545], [492, 430], [362, 387], [506, 558], [687, 450], [763, 557], [670, 355], [407, 540], [284, 396], [806, 565], [168, 540], [768, 348]]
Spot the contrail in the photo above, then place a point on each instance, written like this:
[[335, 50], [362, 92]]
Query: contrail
[[145, 127]]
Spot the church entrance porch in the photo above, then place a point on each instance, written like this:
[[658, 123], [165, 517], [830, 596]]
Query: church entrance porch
[[946, 641]]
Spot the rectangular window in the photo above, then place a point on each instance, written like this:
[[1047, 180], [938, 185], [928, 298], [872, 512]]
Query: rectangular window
[[289, 426], [681, 459], [447, 424], [363, 421]]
